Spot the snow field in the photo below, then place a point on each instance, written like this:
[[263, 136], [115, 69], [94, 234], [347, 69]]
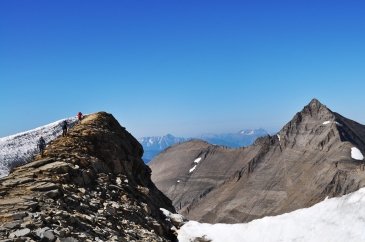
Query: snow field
[[336, 220]]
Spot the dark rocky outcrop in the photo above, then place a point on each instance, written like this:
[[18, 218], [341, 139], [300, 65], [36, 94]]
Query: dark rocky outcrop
[[308, 160], [91, 185]]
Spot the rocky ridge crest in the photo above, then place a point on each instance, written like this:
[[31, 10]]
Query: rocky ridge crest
[[91, 185]]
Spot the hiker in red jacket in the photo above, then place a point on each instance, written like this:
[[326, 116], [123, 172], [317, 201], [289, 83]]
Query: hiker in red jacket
[[79, 116]]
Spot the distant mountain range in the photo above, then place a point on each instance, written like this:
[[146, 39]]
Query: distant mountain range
[[155, 144], [234, 140]]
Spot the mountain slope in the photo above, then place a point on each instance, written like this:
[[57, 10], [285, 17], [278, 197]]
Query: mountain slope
[[309, 159], [20, 148], [92, 185]]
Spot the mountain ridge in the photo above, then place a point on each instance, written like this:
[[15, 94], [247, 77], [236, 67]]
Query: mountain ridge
[[309, 159], [91, 185], [153, 145]]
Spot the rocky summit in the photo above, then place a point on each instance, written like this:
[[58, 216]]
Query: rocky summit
[[317, 154], [91, 185]]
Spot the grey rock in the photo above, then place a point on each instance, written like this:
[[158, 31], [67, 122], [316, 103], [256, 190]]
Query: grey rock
[[40, 231], [17, 181], [177, 220], [38, 163], [63, 232], [28, 224], [49, 236], [12, 225], [19, 215], [44, 186], [53, 193], [68, 239], [19, 233]]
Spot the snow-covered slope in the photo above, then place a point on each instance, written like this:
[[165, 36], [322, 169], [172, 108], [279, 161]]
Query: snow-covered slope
[[20, 148], [335, 219]]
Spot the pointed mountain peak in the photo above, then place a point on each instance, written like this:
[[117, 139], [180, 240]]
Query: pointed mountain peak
[[312, 116], [315, 102], [315, 107]]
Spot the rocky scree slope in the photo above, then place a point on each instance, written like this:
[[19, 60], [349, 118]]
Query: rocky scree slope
[[92, 185], [309, 159]]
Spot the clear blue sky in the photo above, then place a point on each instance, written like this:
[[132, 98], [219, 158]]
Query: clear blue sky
[[181, 67]]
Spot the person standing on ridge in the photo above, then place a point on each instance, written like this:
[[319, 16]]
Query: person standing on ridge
[[41, 145], [79, 116], [64, 128]]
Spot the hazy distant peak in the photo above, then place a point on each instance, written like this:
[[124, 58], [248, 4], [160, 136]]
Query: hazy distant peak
[[253, 131]]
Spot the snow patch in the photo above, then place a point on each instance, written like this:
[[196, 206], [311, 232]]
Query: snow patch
[[330, 122], [165, 212], [247, 132], [278, 135], [197, 160], [118, 181], [192, 169], [356, 154], [178, 181], [335, 220]]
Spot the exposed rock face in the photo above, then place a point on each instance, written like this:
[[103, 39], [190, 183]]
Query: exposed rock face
[[92, 185], [308, 160]]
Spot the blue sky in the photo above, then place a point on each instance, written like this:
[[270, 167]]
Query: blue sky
[[181, 67]]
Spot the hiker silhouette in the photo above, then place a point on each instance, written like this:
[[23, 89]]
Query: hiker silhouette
[[64, 128], [41, 145]]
